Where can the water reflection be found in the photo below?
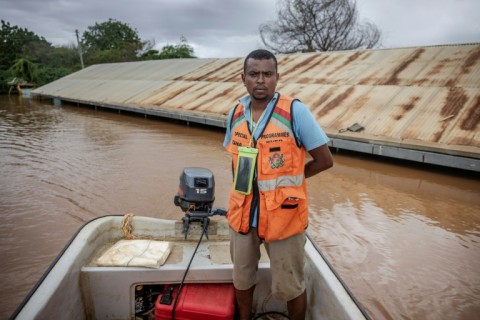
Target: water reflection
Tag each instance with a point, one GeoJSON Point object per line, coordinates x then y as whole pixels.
{"type": "Point", "coordinates": [405, 239]}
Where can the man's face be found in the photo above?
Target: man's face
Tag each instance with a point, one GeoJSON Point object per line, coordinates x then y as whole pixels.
{"type": "Point", "coordinates": [260, 79]}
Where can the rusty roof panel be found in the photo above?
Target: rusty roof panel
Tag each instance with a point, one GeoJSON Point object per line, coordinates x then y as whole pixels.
{"type": "Point", "coordinates": [220, 70]}
{"type": "Point", "coordinates": [424, 96]}
{"type": "Point", "coordinates": [151, 70]}
{"type": "Point", "coordinates": [323, 68]}
{"type": "Point", "coordinates": [453, 66]}
{"type": "Point", "coordinates": [393, 67]}
{"type": "Point", "coordinates": [364, 107]}
{"type": "Point", "coordinates": [416, 113]}
{"type": "Point", "coordinates": [462, 119]}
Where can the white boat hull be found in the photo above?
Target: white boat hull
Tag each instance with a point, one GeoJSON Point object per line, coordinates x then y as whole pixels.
{"type": "Point", "coordinates": [76, 287]}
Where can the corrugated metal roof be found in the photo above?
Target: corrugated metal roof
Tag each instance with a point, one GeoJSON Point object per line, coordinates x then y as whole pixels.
{"type": "Point", "coordinates": [423, 97]}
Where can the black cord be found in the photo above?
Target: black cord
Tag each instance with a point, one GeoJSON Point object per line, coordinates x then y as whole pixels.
{"type": "Point", "coordinates": [205, 226]}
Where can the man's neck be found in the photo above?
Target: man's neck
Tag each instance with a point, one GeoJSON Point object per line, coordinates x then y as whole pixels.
{"type": "Point", "coordinates": [260, 104]}
{"type": "Point", "coordinates": [257, 108]}
{"type": "Point", "coordinates": [256, 105]}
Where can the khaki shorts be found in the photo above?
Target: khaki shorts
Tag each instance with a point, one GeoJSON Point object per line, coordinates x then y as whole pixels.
{"type": "Point", "coordinates": [287, 263]}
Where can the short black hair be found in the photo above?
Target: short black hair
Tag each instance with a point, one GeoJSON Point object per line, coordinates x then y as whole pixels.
{"type": "Point", "coordinates": [260, 54]}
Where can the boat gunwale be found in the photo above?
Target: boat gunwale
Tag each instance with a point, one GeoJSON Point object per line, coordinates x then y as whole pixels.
{"type": "Point", "coordinates": [54, 263]}
{"type": "Point", "coordinates": [337, 275]}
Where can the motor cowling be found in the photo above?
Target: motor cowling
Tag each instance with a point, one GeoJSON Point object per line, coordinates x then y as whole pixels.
{"type": "Point", "coordinates": [196, 190]}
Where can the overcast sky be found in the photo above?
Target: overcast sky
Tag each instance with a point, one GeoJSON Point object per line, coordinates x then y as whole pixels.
{"type": "Point", "coordinates": [229, 28]}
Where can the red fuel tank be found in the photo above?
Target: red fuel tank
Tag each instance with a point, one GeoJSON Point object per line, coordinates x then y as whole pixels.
{"type": "Point", "coordinates": [197, 302]}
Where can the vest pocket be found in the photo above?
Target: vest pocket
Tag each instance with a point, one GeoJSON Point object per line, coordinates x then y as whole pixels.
{"type": "Point", "coordinates": [287, 213]}
{"type": "Point", "coordinates": [236, 199]}
{"type": "Point", "coordinates": [289, 197]}
{"type": "Point", "coordinates": [236, 210]}
{"type": "Point", "coordinates": [276, 157]}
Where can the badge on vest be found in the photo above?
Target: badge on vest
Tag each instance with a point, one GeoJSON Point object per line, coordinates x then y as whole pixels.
{"type": "Point", "coordinates": [246, 161]}
{"type": "Point", "coordinates": [276, 160]}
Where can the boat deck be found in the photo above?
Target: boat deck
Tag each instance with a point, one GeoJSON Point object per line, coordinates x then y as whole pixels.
{"type": "Point", "coordinates": [115, 286]}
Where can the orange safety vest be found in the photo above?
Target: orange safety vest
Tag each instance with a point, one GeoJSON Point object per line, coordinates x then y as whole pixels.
{"type": "Point", "coordinates": [279, 191]}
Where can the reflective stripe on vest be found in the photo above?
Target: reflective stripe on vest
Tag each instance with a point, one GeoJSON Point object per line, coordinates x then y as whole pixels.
{"type": "Point", "coordinates": [282, 181]}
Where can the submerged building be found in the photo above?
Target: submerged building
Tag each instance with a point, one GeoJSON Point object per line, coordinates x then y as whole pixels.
{"type": "Point", "coordinates": [420, 104]}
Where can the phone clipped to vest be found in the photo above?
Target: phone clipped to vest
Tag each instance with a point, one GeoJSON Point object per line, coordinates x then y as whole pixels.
{"type": "Point", "coordinates": [246, 161]}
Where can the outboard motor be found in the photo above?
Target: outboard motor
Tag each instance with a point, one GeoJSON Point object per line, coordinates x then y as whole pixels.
{"type": "Point", "coordinates": [195, 196]}
{"type": "Point", "coordinates": [196, 190]}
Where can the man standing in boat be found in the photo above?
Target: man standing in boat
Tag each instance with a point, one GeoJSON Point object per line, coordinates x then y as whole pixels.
{"type": "Point", "coordinates": [268, 135]}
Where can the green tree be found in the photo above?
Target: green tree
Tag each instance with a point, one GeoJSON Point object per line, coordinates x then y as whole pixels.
{"type": "Point", "coordinates": [24, 70]}
{"type": "Point", "coordinates": [318, 25]}
{"type": "Point", "coordinates": [181, 50]}
{"type": "Point", "coordinates": [57, 63]}
{"type": "Point", "coordinates": [20, 54]}
{"type": "Point", "coordinates": [16, 43]}
{"type": "Point", "coordinates": [63, 57]}
{"type": "Point", "coordinates": [27, 57]}
{"type": "Point", "coordinates": [111, 41]}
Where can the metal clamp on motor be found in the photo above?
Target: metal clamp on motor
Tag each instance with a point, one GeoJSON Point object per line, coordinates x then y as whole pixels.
{"type": "Point", "coordinates": [195, 197]}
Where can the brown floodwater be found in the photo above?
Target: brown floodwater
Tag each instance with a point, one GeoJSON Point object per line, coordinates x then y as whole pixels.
{"type": "Point", "coordinates": [404, 237]}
